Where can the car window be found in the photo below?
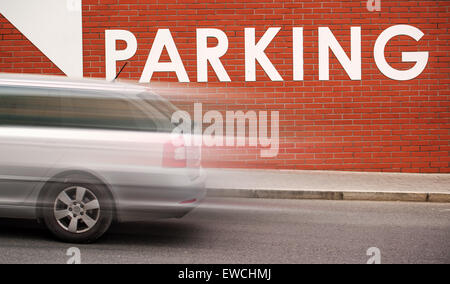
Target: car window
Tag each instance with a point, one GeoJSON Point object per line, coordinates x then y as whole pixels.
{"type": "Point", "coordinates": [52, 108]}
{"type": "Point", "coordinates": [104, 113]}
{"type": "Point", "coordinates": [28, 107]}
{"type": "Point", "coordinates": [162, 105]}
{"type": "Point", "coordinates": [161, 110]}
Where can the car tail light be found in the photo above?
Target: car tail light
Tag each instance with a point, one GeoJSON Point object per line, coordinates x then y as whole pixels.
{"type": "Point", "coordinates": [174, 155]}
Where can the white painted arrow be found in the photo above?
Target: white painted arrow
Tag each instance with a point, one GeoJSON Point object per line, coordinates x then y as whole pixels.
{"type": "Point", "coordinates": [53, 26]}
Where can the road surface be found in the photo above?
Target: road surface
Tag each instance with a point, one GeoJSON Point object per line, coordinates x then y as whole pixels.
{"type": "Point", "coordinates": [231, 230]}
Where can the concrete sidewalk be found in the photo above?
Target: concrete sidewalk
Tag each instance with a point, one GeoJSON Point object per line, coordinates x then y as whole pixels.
{"type": "Point", "coordinates": [331, 185]}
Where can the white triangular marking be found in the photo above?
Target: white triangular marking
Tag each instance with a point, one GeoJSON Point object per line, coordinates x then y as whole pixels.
{"type": "Point", "coordinates": [53, 26]}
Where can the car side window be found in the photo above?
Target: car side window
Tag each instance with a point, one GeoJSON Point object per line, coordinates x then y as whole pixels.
{"type": "Point", "coordinates": [29, 108]}
{"type": "Point", "coordinates": [143, 121]}
{"type": "Point", "coordinates": [103, 113]}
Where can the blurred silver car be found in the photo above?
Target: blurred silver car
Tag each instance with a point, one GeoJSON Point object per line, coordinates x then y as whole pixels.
{"type": "Point", "coordinates": [78, 155]}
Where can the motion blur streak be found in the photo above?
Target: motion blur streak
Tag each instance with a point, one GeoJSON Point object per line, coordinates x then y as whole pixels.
{"type": "Point", "coordinates": [80, 154]}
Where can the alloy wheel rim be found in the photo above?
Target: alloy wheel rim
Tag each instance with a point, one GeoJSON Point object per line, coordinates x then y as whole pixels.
{"type": "Point", "coordinates": [76, 209]}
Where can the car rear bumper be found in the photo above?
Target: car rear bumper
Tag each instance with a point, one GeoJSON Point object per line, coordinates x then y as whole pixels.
{"type": "Point", "coordinates": [145, 204]}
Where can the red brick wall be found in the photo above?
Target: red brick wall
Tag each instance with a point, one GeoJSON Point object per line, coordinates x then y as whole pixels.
{"type": "Point", "coordinates": [375, 124]}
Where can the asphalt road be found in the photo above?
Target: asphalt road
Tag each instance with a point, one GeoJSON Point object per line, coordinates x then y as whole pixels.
{"type": "Point", "coordinates": [256, 231]}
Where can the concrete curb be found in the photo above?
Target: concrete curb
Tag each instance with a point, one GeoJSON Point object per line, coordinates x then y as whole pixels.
{"type": "Point", "coordinates": [331, 195]}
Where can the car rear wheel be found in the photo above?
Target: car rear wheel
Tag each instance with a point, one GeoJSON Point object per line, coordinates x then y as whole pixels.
{"type": "Point", "coordinates": [78, 212]}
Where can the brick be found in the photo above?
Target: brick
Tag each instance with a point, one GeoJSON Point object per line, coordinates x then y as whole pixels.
{"type": "Point", "coordinates": [375, 124]}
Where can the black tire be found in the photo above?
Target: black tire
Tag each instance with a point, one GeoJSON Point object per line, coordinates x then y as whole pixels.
{"type": "Point", "coordinates": [104, 215]}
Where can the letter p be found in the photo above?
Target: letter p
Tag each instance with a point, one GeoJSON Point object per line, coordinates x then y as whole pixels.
{"type": "Point", "coordinates": [112, 55]}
